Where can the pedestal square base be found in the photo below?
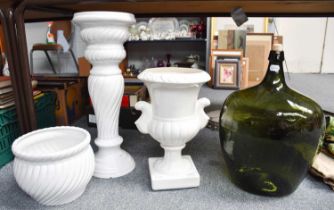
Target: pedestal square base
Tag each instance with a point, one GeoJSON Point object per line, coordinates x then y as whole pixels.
{"type": "Point", "coordinates": [161, 181]}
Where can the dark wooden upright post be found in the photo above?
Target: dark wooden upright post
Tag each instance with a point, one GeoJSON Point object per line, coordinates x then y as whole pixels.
{"type": "Point", "coordinates": [24, 71]}
{"type": "Point", "coordinates": [16, 51]}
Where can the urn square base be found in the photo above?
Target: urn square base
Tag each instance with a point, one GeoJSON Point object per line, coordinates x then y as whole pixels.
{"type": "Point", "coordinates": [161, 181]}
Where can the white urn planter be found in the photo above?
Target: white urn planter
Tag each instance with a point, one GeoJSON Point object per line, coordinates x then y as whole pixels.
{"type": "Point", "coordinates": [104, 33]}
{"type": "Point", "coordinates": [173, 118]}
{"type": "Point", "coordinates": [54, 165]}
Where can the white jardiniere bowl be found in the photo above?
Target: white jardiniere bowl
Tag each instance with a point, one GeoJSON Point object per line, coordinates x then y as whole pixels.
{"type": "Point", "coordinates": [54, 165]}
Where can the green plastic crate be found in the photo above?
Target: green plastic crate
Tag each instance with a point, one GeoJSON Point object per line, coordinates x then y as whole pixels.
{"type": "Point", "coordinates": [6, 141]}
{"type": "Point", "coordinates": [9, 128]}
{"type": "Point", "coordinates": [7, 116]}
{"type": "Point", "coordinates": [45, 108]}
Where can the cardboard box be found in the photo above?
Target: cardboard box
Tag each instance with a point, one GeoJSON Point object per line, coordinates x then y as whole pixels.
{"type": "Point", "coordinates": [128, 114]}
{"type": "Point", "coordinates": [278, 39]}
{"type": "Point", "coordinates": [70, 101]}
{"type": "Point", "coordinates": [84, 67]}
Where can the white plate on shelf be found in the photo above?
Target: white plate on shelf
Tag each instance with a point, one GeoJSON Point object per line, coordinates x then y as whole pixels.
{"type": "Point", "coordinates": [184, 25]}
{"type": "Point", "coordinates": [163, 25]}
{"type": "Point", "coordinates": [142, 26]}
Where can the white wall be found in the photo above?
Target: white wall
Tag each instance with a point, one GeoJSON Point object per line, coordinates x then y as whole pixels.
{"type": "Point", "coordinates": [36, 33]}
{"type": "Point", "coordinates": [303, 40]}
{"type": "Point", "coordinates": [228, 23]}
{"type": "Point", "coordinates": [328, 61]}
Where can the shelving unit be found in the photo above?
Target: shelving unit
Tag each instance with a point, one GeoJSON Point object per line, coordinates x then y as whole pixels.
{"type": "Point", "coordinates": [132, 81]}
{"type": "Point", "coordinates": [182, 40]}
{"type": "Point", "coordinates": [179, 48]}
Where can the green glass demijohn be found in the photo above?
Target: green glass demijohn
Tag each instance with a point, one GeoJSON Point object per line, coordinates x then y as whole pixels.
{"type": "Point", "coordinates": [270, 134]}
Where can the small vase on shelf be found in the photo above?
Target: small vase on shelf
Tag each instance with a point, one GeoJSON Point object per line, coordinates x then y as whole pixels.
{"type": "Point", "coordinates": [270, 133]}
{"type": "Point", "coordinates": [168, 64]}
{"type": "Point", "coordinates": [62, 40]}
{"type": "Point", "coordinates": [160, 63]}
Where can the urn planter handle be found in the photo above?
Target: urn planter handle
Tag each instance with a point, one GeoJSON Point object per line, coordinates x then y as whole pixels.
{"type": "Point", "coordinates": [144, 120]}
{"type": "Point", "coordinates": [202, 116]}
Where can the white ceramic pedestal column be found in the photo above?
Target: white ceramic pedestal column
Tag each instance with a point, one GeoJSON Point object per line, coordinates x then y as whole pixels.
{"type": "Point", "coordinates": [104, 33]}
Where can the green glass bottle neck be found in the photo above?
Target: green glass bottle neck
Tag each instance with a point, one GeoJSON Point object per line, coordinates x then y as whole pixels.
{"type": "Point", "coordinates": [275, 73]}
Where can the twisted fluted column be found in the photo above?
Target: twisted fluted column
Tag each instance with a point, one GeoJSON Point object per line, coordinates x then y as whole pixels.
{"type": "Point", "coordinates": [104, 33]}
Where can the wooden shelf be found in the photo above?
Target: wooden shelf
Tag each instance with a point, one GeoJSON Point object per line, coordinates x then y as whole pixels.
{"type": "Point", "coordinates": [42, 10]}
{"type": "Point", "coordinates": [180, 7]}
{"type": "Point", "coordinates": [166, 41]}
{"type": "Point", "coordinates": [132, 81]}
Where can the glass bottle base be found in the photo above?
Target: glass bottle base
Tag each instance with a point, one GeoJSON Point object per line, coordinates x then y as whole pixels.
{"type": "Point", "coordinates": [256, 181]}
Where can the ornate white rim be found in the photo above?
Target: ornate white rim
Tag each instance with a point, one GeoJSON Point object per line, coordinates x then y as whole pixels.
{"type": "Point", "coordinates": [94, 16]}
{"type": "Point", "coordinates": [174, 75]}
{"type": "Point", "coordinates": [20, 144]}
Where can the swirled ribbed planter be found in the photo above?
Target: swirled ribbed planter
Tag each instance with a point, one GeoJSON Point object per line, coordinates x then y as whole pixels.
{"type": "Point", "coordinates": [54, 165]}
{"type": "Point", "coordinates": [104, 34]}
{"type": "Point", "coordinates": [173, 118]}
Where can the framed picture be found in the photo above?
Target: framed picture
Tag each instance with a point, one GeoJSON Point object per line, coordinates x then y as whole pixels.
{"type": "Point", "coordinates": [232, 39]}
{"type": "Point", "coordinates": [227, 74]}
{"type": "Point", "coordinates": [221, 54]}
{"type": "Point", "coordinates": [258, 46]}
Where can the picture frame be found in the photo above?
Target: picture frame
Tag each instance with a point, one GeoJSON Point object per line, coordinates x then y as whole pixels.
{"type": "Point", "coordinates": [227, 74]}
{"type": "Point", "coordinates": [258, 46]}
{"type": "Point", "coordinates": [232, 39]}
{"type": "Point", "coordinates": [221, 54]}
